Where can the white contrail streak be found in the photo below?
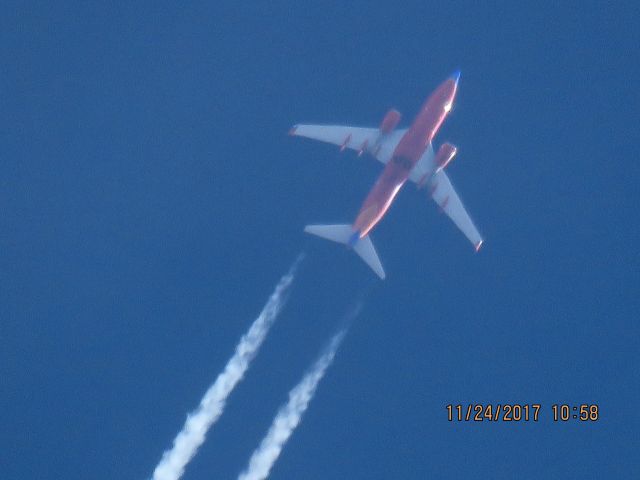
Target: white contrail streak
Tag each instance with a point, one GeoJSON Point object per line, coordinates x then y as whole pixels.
{"type": "Point", "coordinates": [290, 414]}
{"type": "Point", "coordinates": [192, 435]}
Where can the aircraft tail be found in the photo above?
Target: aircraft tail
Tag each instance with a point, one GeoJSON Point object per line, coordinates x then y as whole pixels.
{"type": "Point", "coordinates": [345, 235]}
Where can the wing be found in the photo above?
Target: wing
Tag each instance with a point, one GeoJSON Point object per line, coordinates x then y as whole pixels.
{"type": "Point", "coordinates": [424, 168]}
{"type": "Point", "coordinates": [445, 195]}
{"type": "Point", "coordinates": [356, 138]}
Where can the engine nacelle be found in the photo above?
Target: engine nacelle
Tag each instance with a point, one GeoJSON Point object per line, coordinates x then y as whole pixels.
{"type": "Point", "coordinates": [390, 121]}
{"type": "Point", "coordinates": [445, 154]}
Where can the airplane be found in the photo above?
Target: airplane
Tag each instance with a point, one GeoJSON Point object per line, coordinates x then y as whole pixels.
{"type": "Point", "coordinates": [408, 155]}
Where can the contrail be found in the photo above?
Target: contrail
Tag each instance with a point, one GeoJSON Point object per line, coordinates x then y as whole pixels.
{"type": "Point", "coordinates": [290, 414]}
{"type": "Point", "coordinates": [192, 435]}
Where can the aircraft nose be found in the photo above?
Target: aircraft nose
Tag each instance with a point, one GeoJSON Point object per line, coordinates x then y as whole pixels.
{"type": "Point", "coordinates": [455, 76]}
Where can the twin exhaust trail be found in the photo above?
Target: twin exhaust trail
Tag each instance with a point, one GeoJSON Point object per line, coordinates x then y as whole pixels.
{"type": "Point", "coordinates": [198, 423]}
{"type": "Point", "coordinates": [290, 414]}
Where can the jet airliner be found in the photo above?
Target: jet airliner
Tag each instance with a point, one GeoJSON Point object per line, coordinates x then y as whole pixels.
{"type": "Point", "coordinates": [408, 155]}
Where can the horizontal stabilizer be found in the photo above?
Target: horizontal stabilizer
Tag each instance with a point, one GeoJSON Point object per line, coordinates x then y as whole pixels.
{"type": "Point", "coordinates": [344, 234]}
{"type": "Point", "coordinates": [367, 252]}
{"type": "Point", "coordinates": [335, 233]}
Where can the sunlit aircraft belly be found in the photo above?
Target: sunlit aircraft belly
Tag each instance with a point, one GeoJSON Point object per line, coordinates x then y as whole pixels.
{"type": "Point", "coordinates": [405, 157]}
{"type": "Point", "coordinates": [381, 196]}
{"type": "Point", "coordinates": [407, 154]}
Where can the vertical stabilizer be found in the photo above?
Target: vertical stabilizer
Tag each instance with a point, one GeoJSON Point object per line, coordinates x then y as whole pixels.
{"type": "Point", "coordinates": [344, 234]}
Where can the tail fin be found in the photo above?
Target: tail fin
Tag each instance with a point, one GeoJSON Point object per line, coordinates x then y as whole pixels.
{"type": "Point", "coordinates": [345, 235]}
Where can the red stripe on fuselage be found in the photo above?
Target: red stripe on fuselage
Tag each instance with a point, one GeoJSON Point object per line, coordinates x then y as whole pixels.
{"type": "Point", "coordinates": [428, 121]}
{"type": "Point", "coordinates": [380, 197]}
{"type": "Point", "coordinates": [410, 149]}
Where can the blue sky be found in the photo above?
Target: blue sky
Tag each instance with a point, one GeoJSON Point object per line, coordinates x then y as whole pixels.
{"type": "Point", "coordinates": [151, 199]}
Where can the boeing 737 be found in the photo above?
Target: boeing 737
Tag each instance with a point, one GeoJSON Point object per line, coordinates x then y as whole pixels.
{"type": "Point", "coordinates": [408, 155]}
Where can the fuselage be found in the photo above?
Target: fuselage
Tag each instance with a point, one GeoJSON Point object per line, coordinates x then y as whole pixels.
{"type": "Point", "coordinates": [405, 156]}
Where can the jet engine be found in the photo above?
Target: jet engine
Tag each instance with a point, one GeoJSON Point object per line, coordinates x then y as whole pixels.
{"type": "Point", "coordinates": [390, 121]}
{"type": "Point", "coordinates": [445, 154]}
